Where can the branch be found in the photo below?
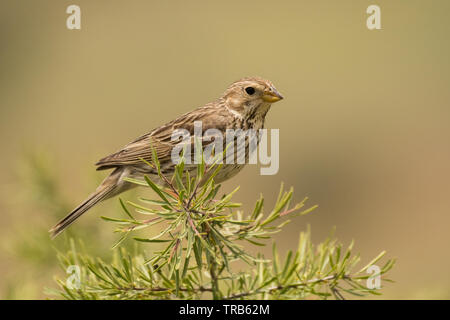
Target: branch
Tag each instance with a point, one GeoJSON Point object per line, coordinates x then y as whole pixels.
{"type": "Point", "coordinates": [281, 287]}
{"type": "Point", "coordinates": [161, 289]}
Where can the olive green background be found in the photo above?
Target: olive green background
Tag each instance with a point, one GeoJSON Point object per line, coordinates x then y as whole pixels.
{"type": "Point", "coordinates": [364, 128]}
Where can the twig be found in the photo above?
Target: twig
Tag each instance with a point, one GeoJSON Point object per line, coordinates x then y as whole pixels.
{"type": "Point", "coordinates": [281, 287]}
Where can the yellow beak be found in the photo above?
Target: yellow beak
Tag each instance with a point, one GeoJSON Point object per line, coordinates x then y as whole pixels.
{"type": "Point", "coordinates": [272, 95]}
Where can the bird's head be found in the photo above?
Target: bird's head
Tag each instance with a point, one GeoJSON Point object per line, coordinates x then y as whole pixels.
{"type": "Point", "coordinates": [251, 96]}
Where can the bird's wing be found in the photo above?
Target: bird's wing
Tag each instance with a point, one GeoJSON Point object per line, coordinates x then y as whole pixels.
{"type": "Point", "coordinates": [133, 152]}
{"type": "Point", "coordinates": [160, 139]}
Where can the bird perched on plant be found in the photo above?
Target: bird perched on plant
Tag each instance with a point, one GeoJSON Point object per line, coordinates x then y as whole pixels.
{"type": "Point", "coordinates": [243, 105]}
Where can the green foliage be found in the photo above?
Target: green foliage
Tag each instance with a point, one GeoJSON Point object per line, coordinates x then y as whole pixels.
{"type": "Point", "coordinates": [202, 239]}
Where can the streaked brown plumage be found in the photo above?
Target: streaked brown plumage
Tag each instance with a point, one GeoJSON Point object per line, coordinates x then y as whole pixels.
{"type": "Point", "coordinates": [243, 105]}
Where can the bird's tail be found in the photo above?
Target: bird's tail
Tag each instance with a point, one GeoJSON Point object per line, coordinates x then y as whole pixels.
{"type": "Point", "coordinates": [107, 189]}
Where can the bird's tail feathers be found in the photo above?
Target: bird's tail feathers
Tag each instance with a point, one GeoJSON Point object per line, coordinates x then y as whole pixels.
{"type": "Point", "coordinates": [100, 194]}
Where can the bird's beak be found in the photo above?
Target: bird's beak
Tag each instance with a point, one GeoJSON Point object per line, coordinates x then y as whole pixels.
{"type": "Point", "coordinates": [272, 95]}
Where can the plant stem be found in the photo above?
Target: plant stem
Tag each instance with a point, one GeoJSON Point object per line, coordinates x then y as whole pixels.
{"type": "Point", "coordinates": [213, 267]}
{"type": "Point", "coordinates": [214, 279]}
{"type": "Point", "coordinates": [282, 287]}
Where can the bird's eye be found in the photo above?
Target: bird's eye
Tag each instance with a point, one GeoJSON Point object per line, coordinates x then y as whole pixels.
{"type": "Point", "coordinates": [250, 90]}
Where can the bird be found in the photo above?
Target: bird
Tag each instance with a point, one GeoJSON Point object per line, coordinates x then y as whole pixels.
{"type": "Point", "coordinates": [243, 105]}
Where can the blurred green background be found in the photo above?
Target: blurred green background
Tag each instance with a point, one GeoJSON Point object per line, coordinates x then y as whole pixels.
{"type": "Point", "coordinates": [364, 127]}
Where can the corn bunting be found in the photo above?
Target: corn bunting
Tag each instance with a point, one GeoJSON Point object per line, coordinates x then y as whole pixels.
{"type": "Point", "coordinates": [243, 105]}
